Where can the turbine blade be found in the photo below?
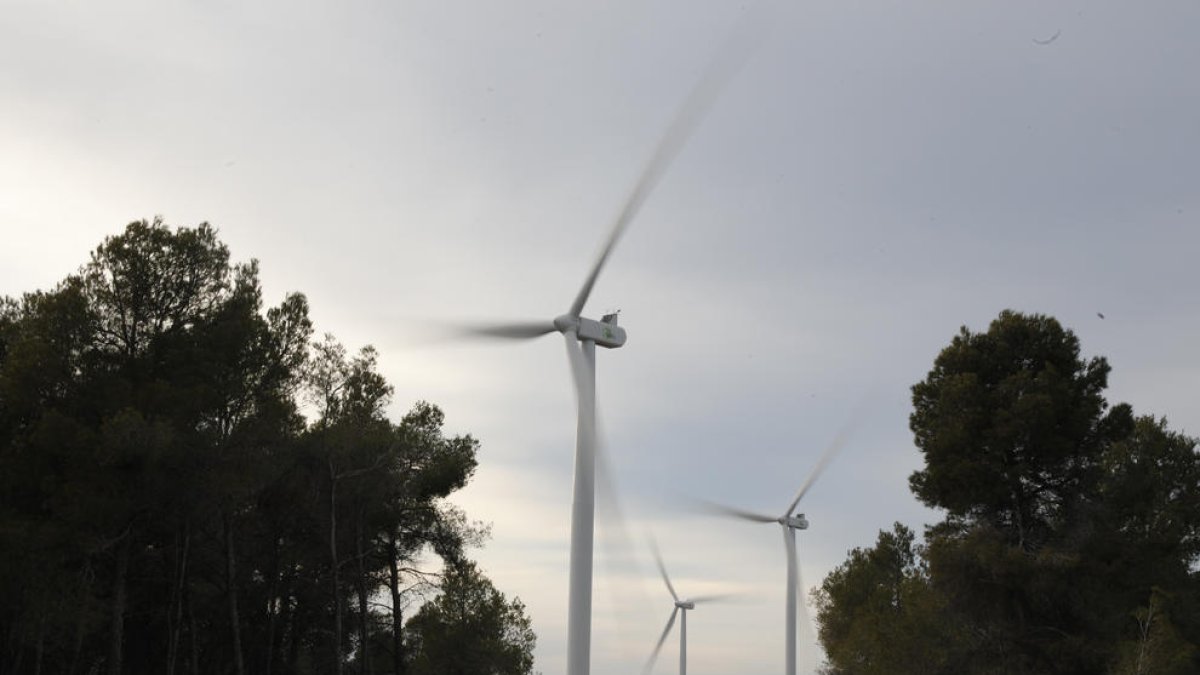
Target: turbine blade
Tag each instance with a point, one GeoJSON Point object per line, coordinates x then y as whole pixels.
{"type": "Point", "coordinates": [789, 544]}
{"type": "Point", "coordinates": [662, 569]}
{"type": "Point", "coordinates": [802, 599]}
{"type": "Point", "coordinates": [661, 640]}
{"type": "Point", "coordinates": [714, 597]}
{"type": "Point", "coordinates": [699, 101]}
{"type": "Point", "coordinates": [736, 513]}
{"type": "Point", "coordinates": [832, 451]}
{"type": "Point", "coordinates": [579, 369]}
{"type": "Point", "coordinates": [619, 553]}
{"type": "Point", "coordinates": [523, 330]}
{"type": "Point", "coordinates": [801, 596]}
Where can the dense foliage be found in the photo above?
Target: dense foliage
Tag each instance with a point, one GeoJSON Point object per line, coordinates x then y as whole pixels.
{"type": "Point", "coordinates": [165, 506]}
{"type": "Point", "coordinates": [1072, 530]}
{"type": "Point", "coordinates": [471, 629]}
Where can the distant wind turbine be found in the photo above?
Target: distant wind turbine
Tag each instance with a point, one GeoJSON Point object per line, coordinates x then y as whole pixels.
{"type": "Point", "coordinates": [681, 609]}
{"type": "Point", "coordinates": [789, 522]}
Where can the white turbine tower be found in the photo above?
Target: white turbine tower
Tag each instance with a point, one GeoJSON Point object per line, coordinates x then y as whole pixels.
{"type": "Point", "coordinates": [582, 335]}
{"type": "Point", "coordinates": [680, 610]}
{"type": "Point", "coordinates": [789, 522]}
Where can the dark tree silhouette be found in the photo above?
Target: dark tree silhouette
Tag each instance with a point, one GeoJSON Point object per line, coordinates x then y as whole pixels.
{"type": "Point", "coordinates": [1072, 529]}
{"type": "Point", "coordinates": [164, 504]}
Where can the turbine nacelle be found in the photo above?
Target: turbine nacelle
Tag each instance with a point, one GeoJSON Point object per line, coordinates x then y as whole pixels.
{"type": "Point", "coordinates": [685, 604]}
{"type": "Point", "coordinates": [605, 333]}
{"type": "Point", "coordinates": [796, 522]}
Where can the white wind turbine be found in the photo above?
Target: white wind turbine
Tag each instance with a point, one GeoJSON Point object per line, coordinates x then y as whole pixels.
{"type": "Point", "coordinates": [582, 335]}
{"type": "Point", "coordinates": [789, 522]}
{"type": "Point", "coordinates": [681, 609]}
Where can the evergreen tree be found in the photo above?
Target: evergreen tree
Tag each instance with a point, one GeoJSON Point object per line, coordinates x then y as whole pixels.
{"type": "Point", "coordinates": [471, 629]}
{"type": "Point", "coordinates": [1070, 541]}
{"type": "Point", "coordinates": [165, 507]}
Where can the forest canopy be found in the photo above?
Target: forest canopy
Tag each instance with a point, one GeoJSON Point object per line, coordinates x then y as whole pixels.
{"type": "Point", "coordinates": [1071, 534]}
{"type": "Point", "coordinates": [166, 506]}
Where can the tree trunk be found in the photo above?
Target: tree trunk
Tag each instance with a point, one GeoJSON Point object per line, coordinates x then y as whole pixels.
{"type": "Point", "coordinates": [274, 604]}
{"type": "Point", "coordinates": [117, 632]}
{"type": "Point", "coordinates": [364, 632]}
{"type": "Point", "coordinates": [193, 641]}
{"type": "Point", "coordinates": [333, 574]}
{"type": "Point", "coordinates": [175, 609]}
{"type": "Point", "coordinates": [1146, 626]}
{"type": "Point", "coordinates": [81, 602]}
{"type": "Point", "coordinates": [77, 649]}
{"type": "Point", "coordinates": [296, 631]}
{"type": "Point", "coordinates": [17, 649]}
{"type": "Point", "coordinates": [288, 618]}
{"type": "Point", "coordinates": [231, 593]}
{"type": "Point", "coordinates": [398, 658]}
{"type": "Point", "coordinates": [40, 648]}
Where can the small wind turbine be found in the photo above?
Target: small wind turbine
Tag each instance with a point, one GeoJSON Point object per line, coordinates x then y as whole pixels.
{"type": "Point", "coordinates": [789, 522]}
{"type": "Point", "coordinates": [582, 335]}
{"type": "Point", "coordinates": [681, 609]}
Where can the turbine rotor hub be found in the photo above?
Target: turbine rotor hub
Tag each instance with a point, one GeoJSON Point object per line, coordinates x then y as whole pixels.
{"type": "Point", "coordinates": [796, 522]}
{"type": "Point", "coordinates": [566, 323]}
{"type": "Point", "coordinates": [685, 604]}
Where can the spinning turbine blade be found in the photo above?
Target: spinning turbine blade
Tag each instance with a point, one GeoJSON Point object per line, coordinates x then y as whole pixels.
{"type": "Point", "coordinates": [795, 598]}
{"type": "Point", "coordinates": [508, 331]}
{"type": "Point", "coordinates": [738, 513]}
{"type": "Point", "coordinates": [616, 545]}
{"type": "Point", "coordinates": [697, 104]}
{"type": "Point", "coordinates": [834, 448]}
{"type": "Point", "coordinates": [717, 597]}
{"type": "Point", "coordinates": [662, 569]}
{"type": "Point", "coordinates": [661, 640]}
{"type": "Point", "coordinates": [579, 369]}
{"type": "Point", "coordinates": [802, 596]}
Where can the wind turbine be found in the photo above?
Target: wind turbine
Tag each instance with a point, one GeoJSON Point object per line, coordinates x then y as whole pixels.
{"type": "Point", "coordinates": [681, 609]}
{"type": "Point", "coordinates": [789, 522]}
{"type": "Point", "coordinates": [582, 335]}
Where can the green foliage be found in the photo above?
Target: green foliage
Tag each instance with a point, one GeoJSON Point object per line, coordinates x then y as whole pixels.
{"type": "Point", "coordinates": [1011, 425]}
{"type": "Point", "coordinates": [1157, 647]}
{"type": "Point", "coordinates": [1070, 541]}
{"type": "Point", "coordinates": [151, 281]}
{"type": "Point", "coordinates": [165, 506]}
{"type": "Point", "coordinates": [878, 613]}
{"type": "Point", "coordinates": [471, 629]}
{"type": "Point", "coordinates": [1152, 486]}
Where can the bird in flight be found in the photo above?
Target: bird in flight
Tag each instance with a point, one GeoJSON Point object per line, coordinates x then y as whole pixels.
{"type": "Point", "coordinates": [1050, 39]}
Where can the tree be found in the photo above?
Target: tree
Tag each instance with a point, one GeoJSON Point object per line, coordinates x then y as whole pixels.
{"type": "Point", "coordinates": [471, 629]}
{"type": "Point", "coordinates": [1011, 423]}
{"type": "Point", "coordinates": [878, 614]}
{"type": "Point", "coordinates": [1150, 493]}
{"type": "Point", "coordinates": [1156, 647]}
{"type": "Point", "coordinates": [164, 506]}
{"type": "Point", "coordinates": [1071, 535]}
{"type": "Point", "coordinates": [429, 467]}
{"type": "Point", "coordinates": [352, 439]}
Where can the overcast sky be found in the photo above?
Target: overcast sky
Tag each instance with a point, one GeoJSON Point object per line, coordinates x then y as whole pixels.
{"type": "Point", "coordinates": [878, 175]}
